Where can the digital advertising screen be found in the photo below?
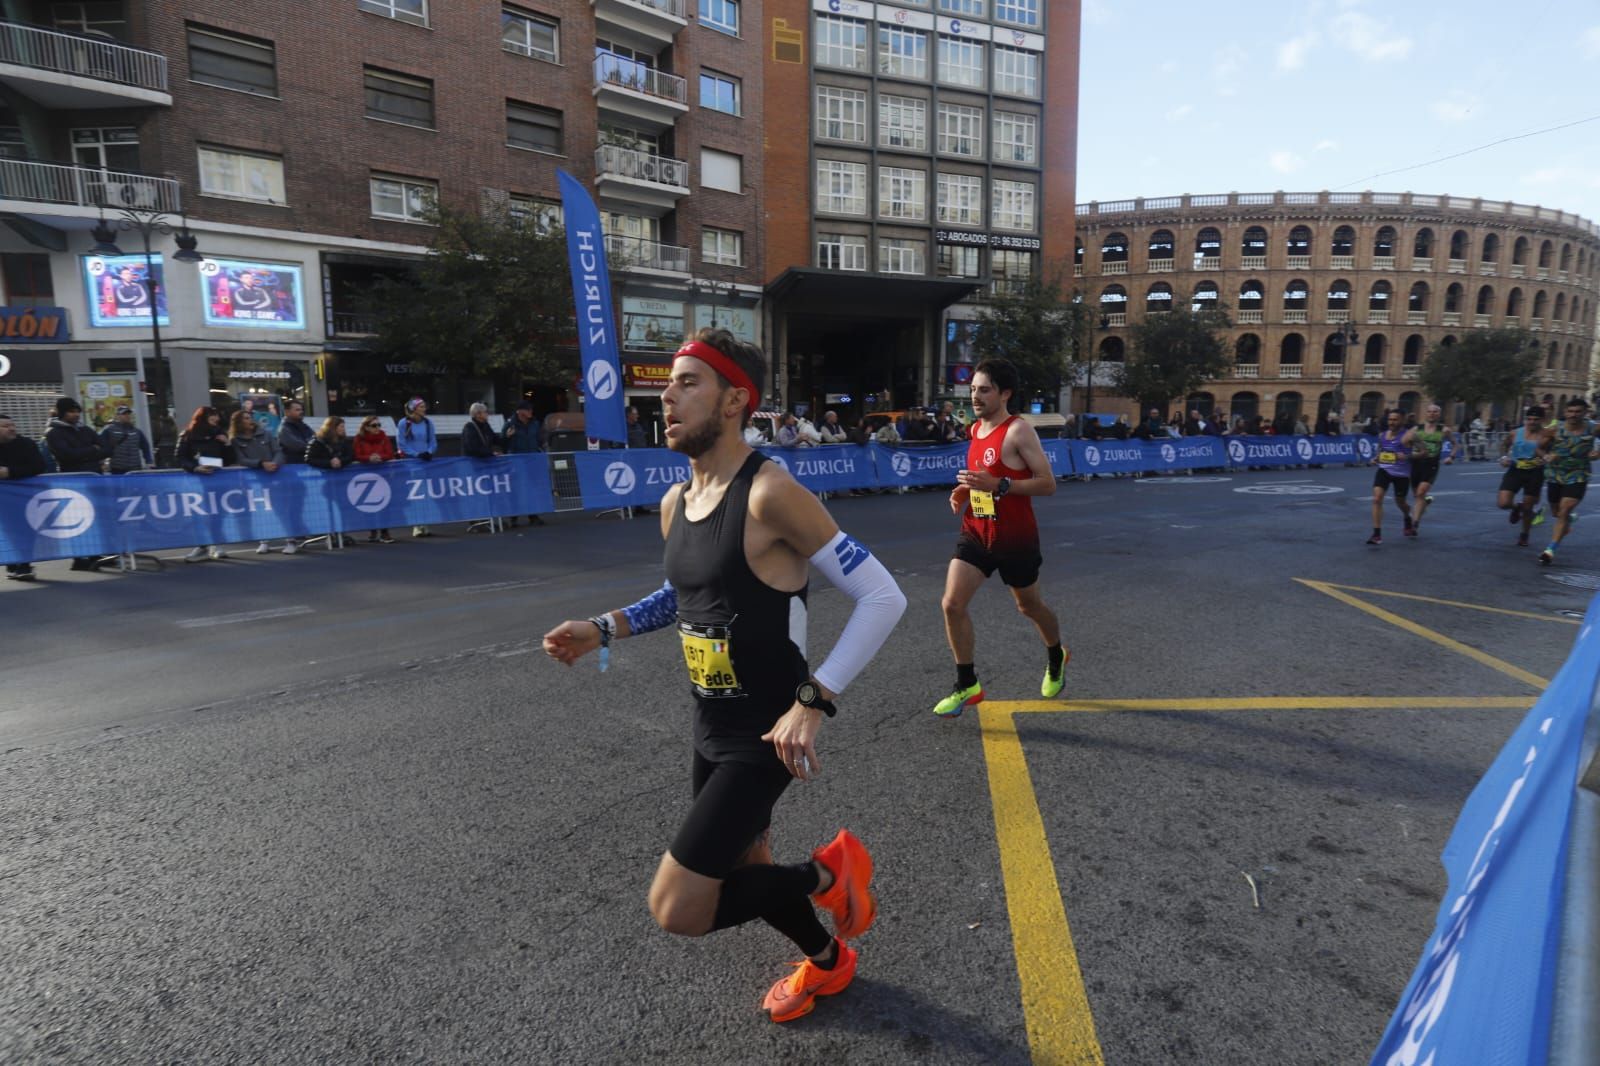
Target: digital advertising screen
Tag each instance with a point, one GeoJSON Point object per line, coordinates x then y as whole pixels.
{"type": "Point", "coordinates": [119, 292]}
{"type": "Point", "coordinates": [237, 292]}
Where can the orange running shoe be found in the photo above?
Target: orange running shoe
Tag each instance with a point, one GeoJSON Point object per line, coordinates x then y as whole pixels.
{"type": "Point", "coordinates": [850, 897]}
{"type": "Point", "coordinates": [794, 996]}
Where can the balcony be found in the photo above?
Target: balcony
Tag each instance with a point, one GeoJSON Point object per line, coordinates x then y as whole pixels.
{"type": "Point", "coordinates": [1248, 318]}
{"type": "Point", "coordinates": [1383, 262]}
{"type": "Point", "coordinates": [1377, 318]}
{"type": "Point", "coordinates": [1416, 318]}
{"type": "Point", "coordinates": [1372, 372]}
{"type": "Point", "coordinates": [1208, 262]}
{"type": "Point", "coordinates": [1294, 318]}
{"type": "Point", "coordinates": [1422, 263]}
{"type": "Point", "coordinates": [1159, 266]}
{"type": "Point", "coordinates": [1537, 325]}
{"type": "Point", "coordinates": [657, 20]}
{"type": "Point", "coordinates": [1247, 370]}
{"type": "Point", "coordinates": [636, 253]}
{"type": "Point", "coordinates": [59, 190]}
{"type": "Point", "coordinates": [1455, 266]}
{"type": "Point", "coordinates": [1119, 266]}
{"type": "Point", "coordinates": [1488, 270]}
{"type": "Point", "coordinates": [1253, 262]}
{"type": "Point", "coordinates": [639, 178]}
{"type": "Point", "coordinates": [1298, 262]}
{"type": "Point", "coordinates": [1452, 318]}
{"type": "Point", "coordinates": [1517, 270]}
{"type": "Point", "coordinates": [1342, 262]}
{"type": "Point", "coordinates": [1117, 318]}
{"type": "Point", "coordinates": [1332, 371]}
{"type": "Point", "coordinates": [1411, 372]}
{"type": "Point", "coordinates": [68, 71]}
{"type": "Point", "coordinates": [1561, 275]}
{"type": "Point", "coordinates": [1289, 370]}
{"type": "Point", "coordinates": [1542, 273]}
{"type": "Point", "coordinates": [1480, 321]}
{"type": "Point", "coordinates": [1337, 317]}
{"type": "Point", "coordinates": [354, 324]}
{"type": "Point", "coordinates": [635, 93]}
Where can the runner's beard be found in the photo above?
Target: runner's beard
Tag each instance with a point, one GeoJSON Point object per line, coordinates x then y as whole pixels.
{"type": "Point", "coordinates": [699, 440]}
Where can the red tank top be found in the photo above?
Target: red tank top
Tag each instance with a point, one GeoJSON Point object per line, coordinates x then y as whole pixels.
{"type": "Point", "coordinates": [1013, 526]}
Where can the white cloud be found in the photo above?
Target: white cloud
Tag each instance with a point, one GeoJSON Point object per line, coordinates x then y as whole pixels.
{"type": "Point", "coordinates": [1285, 161]}
{"type": "Point", "coordinates": [1457, 107]}
{"type": "Point", "coordinates": [1369, 38]}
{"type": "Point", "coordinates": [1180, 112]}
{"type": "Point", "coordinates": [1325, 146]}
{"type": "Point", "coordinates": [1589, 42]}
{"type": "Point", "coordinates": [1292, 53]}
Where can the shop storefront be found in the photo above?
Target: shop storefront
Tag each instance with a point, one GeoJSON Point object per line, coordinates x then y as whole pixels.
{"type": "Point", "coordinates": [263, 385]}
{"type": "Point", "coordinates": [367, 383]}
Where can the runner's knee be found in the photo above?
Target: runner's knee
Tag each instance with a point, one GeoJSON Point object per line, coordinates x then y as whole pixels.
{"type": "Point", "coordinates": [680, 913]}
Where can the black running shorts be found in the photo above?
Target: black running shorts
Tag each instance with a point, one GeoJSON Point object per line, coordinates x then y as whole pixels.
{"type": "Point", "coordinates": [1528, 481]}
{"type": "Point", "coordinates": [1424, 471]}
{"type": "Point", "coordinates": [1573, 490]}
{"type": "Point", "coordinates": [1018, 569]}
{"type": "Point", "coordinates": [1383, 479]}
{"type": "Point", "coordinates": [732, 807]}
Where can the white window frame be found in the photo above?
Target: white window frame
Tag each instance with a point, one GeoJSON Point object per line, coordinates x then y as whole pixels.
{"type": "Point", "coordinates": [713, 160]}
{"type": "Point", "coordinates": [425, 190]}
{"type": "Point", "coordinates": [897, 63]}
{"type": "Point", "coordinates": [705, 20]}
{"type": "Point", "coordinates": [841, 187]}
{"type": "Point", "coordinates": [957, 252]}
{"type": "Point", "coordinates": [1017, 12]}
{"type": "Point", "coordinates": [834, 46]}
{"type": "Point", "coordinates": [727, 80]}
{"type": "Point", "coordinates": [960, 127]}
{"type": "Point", "coordinates": [903, 194]}
{"type": "Point", "coordinates": [527, 47]}
{"type": "Point", "coordinates": [1017, 71]}
{"type": "Point", "coordinates": [391, 9]}
{"type": "Point", "coordinates": [1012, 205]}
{"type": "Point", "coordinates": [1001, 261]}
{"type": "Point", "coordinates": [1013, 129]}
{"type": "Point", "coordinates": [841, 251]}
{"type": "Point", "coordinates": [226, 160]}
{"type": "Point", "coordinates": [964, 74]}
{"type": "Point", "coordinates": [727, 247]}
{"type": "Point", "coordinates": [543, 216]}
{"type": "Point", "coordinates": [902, 122]}
{"type": "Point", "coordinates": [844, 110]}
{"type": "Point", "coordinates": [529, 114]}
{"type": "Point", "coordinates": [960, 199]}
{"type": "Point", "coordinates": [896, 254]}
{"type": "Point", "coordinates": [973, 9]}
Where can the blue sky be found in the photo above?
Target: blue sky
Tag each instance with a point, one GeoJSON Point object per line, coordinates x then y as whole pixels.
{"type": "Point", "coordinates": [1184, 97]}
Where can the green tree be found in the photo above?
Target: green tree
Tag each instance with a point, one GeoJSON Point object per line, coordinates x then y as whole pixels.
{"type": "Point", "coordinates": [1173, 354]}
{"type": "Point", "coordinates": [493, 293]}
{"type": "Point", "coordinates": [1484, 366]}
{"type": "Point", "coordinates": [1034, 327]}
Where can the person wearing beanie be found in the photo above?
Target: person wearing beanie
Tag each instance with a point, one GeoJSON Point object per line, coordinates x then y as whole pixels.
{"type": "Point", "coordinates": [75, 449]}
{"type": "Point", "coordinates": [415, 439]}
{"type": "Point", "coordinates": [19, 458]}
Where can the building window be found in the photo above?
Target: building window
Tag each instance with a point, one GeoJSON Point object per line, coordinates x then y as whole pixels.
{"type": "Point", "coordinates": [403, 199]}
{"type": "Point", "coordinates": [722, 246]}
{"type": "Point", "coordinates": [13, 145]}
{"type": "Point", "coordinates": [902, 194]}
{"type": "Point", "coordinates": [960, 62]}
{"type": "Point", "coordinates": [241, 175]}
{"type": "Point", "coordinates": [969, 8]}
{"type": "Point", "coordinates": [841, 251]}
{"type": "Point", "coordinates": [720, 15]}
{"type": "Point", "coordinates": [902, 123]}
{"type": "Point", "coordinates": [960, 199]}
{"type": "Point", "coordinates": [902, 53]}
{"type": "Point", "coordinates": [106, 148]}
{"type": "Point", "coordinates": [232, 62]}
{"type": "Point", "coordinates": [1016, 138]}
{"type": "Point", "coordinates": [101, 19]}
{"type": "Point", "coordinates": [405, 10]}
{"type": "Point", "coordinates": [719, 92]}
{"type": "Point", "coordinates": [634, 227]}
{"type": "Point", "coordinates": [1016, 71]}
{"type": "Point", "coordinates": [841, 114]}
{"type": "Point", "coordinates": [1011, 206]}
{"type": "Point", "coordinates": [27, 279]}
{"type": "Point", "coordinates": [841, 42]}
{"type": "Point", "coordinates": [721, 170]}
{"type": "Point", "coordinates": [901, 256]}
{"type": "Point", "coordinates": [528, 35]}
{"type": "Point", "coordinates": [541, 216]}
{"type": "Point", "coordinates": [537, 129]}
{"type": "Point", "coordinates": [1014, 268]}
{"type": "Point", "coordinates": [399, 98]}
{"type": "Point", "coordinates": [1021, 12]}
{"type": "Point", "coordinates": [961, 130]}
{"type": "Point", "coordinates": [957, 261]}
{"type": "Point", "coordinates": [841, 187]}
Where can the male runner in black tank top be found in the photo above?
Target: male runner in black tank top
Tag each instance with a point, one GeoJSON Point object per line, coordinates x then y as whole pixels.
{"type": "Point", "coordinates": [739, 536]}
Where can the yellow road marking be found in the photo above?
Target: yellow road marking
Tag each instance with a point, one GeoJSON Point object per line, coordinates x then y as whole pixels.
{"type": "Point", "coordinates": [1428, 634]}
{"type": "Point", "coordinates": [1265, 703]}
{"type": "Point", "coordinates": [1055, 1004]}
{"type": "Point", "coordinates": [1458, 603]}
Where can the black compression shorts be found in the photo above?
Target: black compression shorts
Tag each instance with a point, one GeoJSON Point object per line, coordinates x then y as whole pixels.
{"type": "Point", "coordinates": [1527, 481]}
{"type": "Point", "coordinates": [1424, 471]}
{"type": "Point", "coordinates": [1383, 479]}
{"type": "Point", "coordinates": [1018, 569]}
{"type": "Point", "coordinates": [1572, 490]}
{"type": "Point", "coordinates": [732, 807]}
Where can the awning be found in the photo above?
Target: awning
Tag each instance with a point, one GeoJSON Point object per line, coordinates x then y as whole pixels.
{"type": "Point", "coordinates": [811, 288]}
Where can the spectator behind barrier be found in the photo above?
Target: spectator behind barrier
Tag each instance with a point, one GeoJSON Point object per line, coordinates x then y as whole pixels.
{"type": "Point", "coordinates": [125, 444]}
{"type": "Point", "coordinates": [294, 434]}
{"type": "Point", "coordinates": [788, 435]}
{"type": "Point", "coordinates": [330, 449]}
{"type": "Point", "coordinates": [75, 449]}
{"type": "Point", "coordinates": [831, 432]}
{"type": "Point", "coordinates": [255, 448]}
{"type": "Point", "coordinates": [414, 438]}
{"type": "Point", "coordinates": [522, 431]}
{"type": "Point", "coordinates": [636, 434]}
{"type": "Point", "coordinates": [203, 449]}
{"type": "Point", "coordinates": [478, 440]}
{"type": "Point", "coordinates": [19, 458]}
{"type": "Point", "coordinates": [373, 446]}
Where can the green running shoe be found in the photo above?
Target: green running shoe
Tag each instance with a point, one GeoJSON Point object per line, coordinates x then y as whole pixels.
{"type": "Point", "coordinates": [959, 700]}
{"type": "Point", "coordinates": [1538, 517]}
{"type": "Point", "coordinates": [1052, 684]}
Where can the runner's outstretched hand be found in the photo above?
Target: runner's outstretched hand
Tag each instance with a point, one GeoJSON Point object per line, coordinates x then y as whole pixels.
{"type": "Point", "coordinates": [794, 739]}
{"type": "Point", "coordinates": [571, 641]}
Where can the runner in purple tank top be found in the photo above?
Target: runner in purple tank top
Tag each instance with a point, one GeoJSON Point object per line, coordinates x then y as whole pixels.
{"type": "Point", "coordinates": [1394, 470]}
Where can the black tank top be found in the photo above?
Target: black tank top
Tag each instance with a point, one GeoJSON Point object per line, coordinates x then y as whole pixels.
{"type": "Point", "coordinates": [743, 640]}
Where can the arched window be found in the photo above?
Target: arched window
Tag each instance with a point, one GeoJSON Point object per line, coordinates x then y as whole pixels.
{"type": "Point", "coordinates": [1413, 350]}
{"type": "Point", "coordinates": [1077, 251]}
{"type": "Point", "coordinates": [1252, 295]}
{"type": "Point", "coordinates": [1114, 249]}
{"type": "Point", "coordinates": [1422, 247]}
{"type": "Point", "coordinates": [1205, 298]}
{"type": "Point", "coordinates": [1292, 350]}
{"type": "Point", "coordinates": [1580, 262]}
{"type": "Point", "coordinates": [1514, 304]}
{"type": "Point", "coordinates": [1561, 306]}
{"type": "Point", "coordinates": [1541, 304]}
{"type": "Point", "coordinates": [1245, 405]}
{"type": "Point", "coordinates": [1418, 300]}
{"type": "Point", "coordinates": [1324, 405]}
{"type": "Point", "coordinates": [1295, 295]}
{"type": "Point", "coordinates": [1547, 254]}
{"type": "Point", "coordinates": [1409, 402]}
{"type": "Point", "coordinates": [1112, 350]}
{"type": "Point", "coordinates": [1375, 350]}
{"type": "Point", "coordinates": [1344, 241]}
{"type": "Point", "coordinates": [1371, 404]}
{"type": "Point", "coordinates": [1339, 295]}
{"type": "Point", "coordinates": [1161, 244]}
{"type": "Point", "coordinates": [1203, 402]}
{"type": "Point", "coordinates": [1208, 244]}
{"type": "Point", "coordinates": [1247, 349]}
{"type": "Point", "coordinates": [1254, 242]}
{"type": "Point", "coordinates": [1383, 242]}
{"type": "Point", "coordinates": [1550, 359]}
{"type": "Point", "coordinates": [1566, 257]}
{"type": "Point", "coordinates": [1485, 304]}
{"type": "Point", "coordinates": [1491, 248]}
{"type": "Point", "coordinates": [1452, 298]}
{"type": "Point", "coordinates": [1449, 341]}
{"type": "Point", "coordinates": [1288, 407]}
{"type": "Point", "coordinates": [1519, 252]}
{"type": "Point", "coordinates": [1158, 298]}
{"type": "Point", "coordinates": [1382, 295]}
{"type": "Point", "coordinates": [1460, 244]}
{"type": "Point", "coordinates": [1300, 240]}
{"type": "Point", "coordinates": [1572, 357]}
{"type": "Point", "coordinates": [1113, 300]}
{"type": "Point", "coordinates": [1333, 349]}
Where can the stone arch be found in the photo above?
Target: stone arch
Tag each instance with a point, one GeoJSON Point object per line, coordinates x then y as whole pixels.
{"type": "Point", "coordinates": [1291, 350]}
{"type": "Point", "coordinates": [1418, 299]}
{"type": "Point", "coordinates": [1299, 242]}
{"type": "Point", "coordinates": [1208, 243]}
{"type": "Point", "coordinates": [1254, 241]}
{"type": "Point", "coordinates": [1453, 297]}
{"type": "Point", "coordinates": [1158, 298]}
{"type": "Point", "coordinates": [1422, 244]}
{"type": "Point", "coordinates": [1381, 297]}
{"type": "Point", "coordinates": [1490, 252]}
{"type": "Point", "coordinates": [1247, 350]}
{"type": "Point", "coordinates": [1412, 353]}
{"type": "Point", "coordinates": [1460, 244]}
{"type": "Point", "coordinates": [1252, 295]}
{"type": "Point", "coordinates": [1114, 249]}
{"type": "Point", "coordinates": [1514, 304]}
{"type": "Point", "coordinates": [1344, 241]}
{"type": "Point", "coordinates": [1162, 242]}
{"type": "Point", "coordinates": [1485, 303]}
{"type": "Point", "coordinates": [1207, 297]}
{"type": "Point", "coordinates": [1519, 251]}
{"type": "Point", "coordinates": [1339, 295]}
{"type": "Point", "coordinates": [1295, 295]}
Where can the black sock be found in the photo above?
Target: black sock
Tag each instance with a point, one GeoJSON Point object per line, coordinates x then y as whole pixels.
{"type": "Point", "coordinates": [831, 956]}
{"type": "Point", "coordinates": [1057, 655]}
{"type": "Point", "coordinates": [1377, 531]}
{"type": "Point", "coordinates": [780, 895]}
{"type": "Point", "coordinates": [966, 675]}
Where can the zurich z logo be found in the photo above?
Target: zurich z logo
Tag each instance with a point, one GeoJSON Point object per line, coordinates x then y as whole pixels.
{"type": "Point", "coordinates": [852, 553]}
{"type": "Point", "coordinates": [620, 478]}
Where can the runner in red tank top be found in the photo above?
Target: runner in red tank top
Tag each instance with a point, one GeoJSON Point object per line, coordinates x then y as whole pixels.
{"type": "Point", "coordinates": [1006, 466]}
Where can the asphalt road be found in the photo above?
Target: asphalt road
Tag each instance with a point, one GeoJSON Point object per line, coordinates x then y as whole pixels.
{"type": "Point", "coordinates": [338, 807]}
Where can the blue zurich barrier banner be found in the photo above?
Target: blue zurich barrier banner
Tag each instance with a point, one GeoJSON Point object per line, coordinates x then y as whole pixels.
{"type": "Point", "coordinates": [628, 477]}
{"type": "Point", "coordinates": [87, 514]}
{"type": "Point", "coordinates": [1482, 993]}
{"type": "Point", "coordinates": [910, 467]}
{"type": "Point", "coordinates": [1298, 451]}
{"type": "Point", "coordinates": [1137, 456]}
{"type": "Point", "coordinates": [604, 417]}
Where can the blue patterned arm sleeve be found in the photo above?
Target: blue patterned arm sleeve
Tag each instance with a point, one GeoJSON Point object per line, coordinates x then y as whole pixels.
{"type": "Point", "coordinates": [656, 611]}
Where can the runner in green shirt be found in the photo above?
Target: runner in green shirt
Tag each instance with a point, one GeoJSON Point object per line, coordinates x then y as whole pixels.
{"type": "Point", "coordinates": [1568, 450]}
{"type": "Point", "coordinates": [1431, 435]}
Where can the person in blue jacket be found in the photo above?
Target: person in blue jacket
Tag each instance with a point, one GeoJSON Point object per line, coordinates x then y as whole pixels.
{"type": "Point", "coordinates": [414, 438]}
{"type": "Point", "coordinates": [521, 438]}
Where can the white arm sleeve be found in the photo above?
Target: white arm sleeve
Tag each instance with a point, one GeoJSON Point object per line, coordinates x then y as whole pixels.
{"type": "Point", "coordinates": [879, 605]}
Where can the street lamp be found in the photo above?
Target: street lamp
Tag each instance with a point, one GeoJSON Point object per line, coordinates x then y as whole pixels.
{"type": "Point", "coordinates": [147, 223]}
{"type": "Point", "coordinates": [1345, 339]}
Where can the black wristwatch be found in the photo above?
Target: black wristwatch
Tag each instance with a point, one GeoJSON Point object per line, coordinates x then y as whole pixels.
{"type": "Point", "coordinates": [1002, 488]}
{"type": "Point", "coordinates": [809, 694]}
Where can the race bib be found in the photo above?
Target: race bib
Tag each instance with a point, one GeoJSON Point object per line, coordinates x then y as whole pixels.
{"type": "Point", "coordinates": [1388, 457]}
{"type": "Point", "coordinates": [982, 504]}
{"type": "Point", "coordinates": [708, 652]}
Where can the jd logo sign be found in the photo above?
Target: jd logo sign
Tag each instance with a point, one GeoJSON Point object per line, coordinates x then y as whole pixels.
{"type": "Point", "coordinates": [59, 513]}
{"type": "Point", "coordinates": [602, 380]}
{"type": "Point", "coordinates": [367, 493]}
{"type": "Point", "coordinates": [619, 477]}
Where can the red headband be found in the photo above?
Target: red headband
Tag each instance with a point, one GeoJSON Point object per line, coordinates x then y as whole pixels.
{"type": "Point", "coordinates": [724, 366]}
